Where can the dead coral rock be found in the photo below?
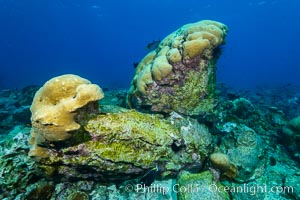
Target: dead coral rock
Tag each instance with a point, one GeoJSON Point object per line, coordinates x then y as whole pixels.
{"type": "Point", "coordinates": [180, 74]}
{"type": "Point", "coordinates": [128, 144]}
{"type": "Point", "coordinates": [40, 190]}
{"type": "Point", "coordinates": [244, 148]}
{"type": "Point", "coordinates": [291, 133]}
{"type": "Point", "coordinates": [200, 186]}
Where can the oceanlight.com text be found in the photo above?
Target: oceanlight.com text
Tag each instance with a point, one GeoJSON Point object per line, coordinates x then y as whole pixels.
{"type": "Point", "coordinates": [194, 188]}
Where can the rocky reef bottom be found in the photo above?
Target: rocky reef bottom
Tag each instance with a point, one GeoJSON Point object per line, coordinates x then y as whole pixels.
{"type": "Point", "coordinates": [255, 152]}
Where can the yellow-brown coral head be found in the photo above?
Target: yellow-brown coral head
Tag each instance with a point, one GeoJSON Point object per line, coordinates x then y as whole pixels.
{"type": "Point", "coordinates": [55, 106]}
{"type": "Point", "coordinates": [222, 162]}
{"type": "Point", "coordinates": [180, 74]}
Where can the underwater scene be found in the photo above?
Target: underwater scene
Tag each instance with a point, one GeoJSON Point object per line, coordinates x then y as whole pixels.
{"type": "Point", "coordinates": [149, 100]}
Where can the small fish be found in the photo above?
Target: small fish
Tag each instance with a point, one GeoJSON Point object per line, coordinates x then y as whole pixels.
{"type": "Point", "coordinates": [152, 45]}
{"type": "Point", "coordinates": [149, 177]}
{"type": "Point", "coordinates": [135, 64]}
{"type": "Point", "coordinates": [105, 89]}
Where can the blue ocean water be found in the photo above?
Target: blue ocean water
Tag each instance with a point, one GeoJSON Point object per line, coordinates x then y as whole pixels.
{"type": "Point", "coordinates": [101, 39]}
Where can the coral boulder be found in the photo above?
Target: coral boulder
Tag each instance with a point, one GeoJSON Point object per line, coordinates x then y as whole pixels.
{"type": "Point", "coordinates": [127, 144]}
{"type": "Point", "coordinates": [179, 75]}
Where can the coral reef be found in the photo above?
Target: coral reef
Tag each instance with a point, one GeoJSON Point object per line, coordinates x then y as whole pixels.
{"type": "Point", "coordinates": [284, 98]}
{"type": "Point", "coordinates": [22, 179]}
{"type": "Point", "coordinates": [16, 170]}
{"type": "Point", "coordinates": [14, 108]}
{"type": "Point", "coordinates": [73, 140]}
{"type": "Point", "coordinates": [247, 146]}
{"type": "Point", "coordinates": [180, 74]}
{"type": "Point", "coordinates": [56, 106]}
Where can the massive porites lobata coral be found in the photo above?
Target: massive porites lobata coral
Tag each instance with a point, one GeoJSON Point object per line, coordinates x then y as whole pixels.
{"type": "Point", "coordinates": [180, 74]}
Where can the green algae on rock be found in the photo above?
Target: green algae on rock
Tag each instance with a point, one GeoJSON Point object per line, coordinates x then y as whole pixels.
{"type": "Point", "coordinates": [291, 133]}
{"type": "Point", "coordinates": [180, 74]}
{"type": "Point", "coordinates": [200, 187]}
{"type": "Point", "coordinates": [244, 148]}
{"type": "Point", "coordinates": [126, 144]}
{"type": "Point", "coordinates": [292, 129]}
{"type": "Point", "coordinates": [17, 171]}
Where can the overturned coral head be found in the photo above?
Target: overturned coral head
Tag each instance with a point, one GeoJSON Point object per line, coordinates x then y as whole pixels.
{"type": "Point", "coordinates": [180, 74]}
{"type": "Point", "coordinates": [55, 109]}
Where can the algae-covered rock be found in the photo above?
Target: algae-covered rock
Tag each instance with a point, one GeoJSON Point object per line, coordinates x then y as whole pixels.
{"type": "Point", "coordinates": [292, 183]}
{"type": "Point", "coordinates": [200, 187]}
{"type": "Point", "coordinates": [78, 190]}
{"type": "Point", "coordinates": [78, 196]}
{"type": "Point", "coordinates": [291, 133]}
{"type": "Point", "coordinates": [180, 75]}
{"type": "Point", "coordinates": [124, 145]}
{"type": "Point", "coordinates": [159, 189]}
{"type": "Point", "coordinates": [40, 190]}
{"type": "Point", "coordinates": [244, 148]}
{"type": "Point", "coordinates": [195, 135]}
{"type": "Point", "coordinates": [17, 171]}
